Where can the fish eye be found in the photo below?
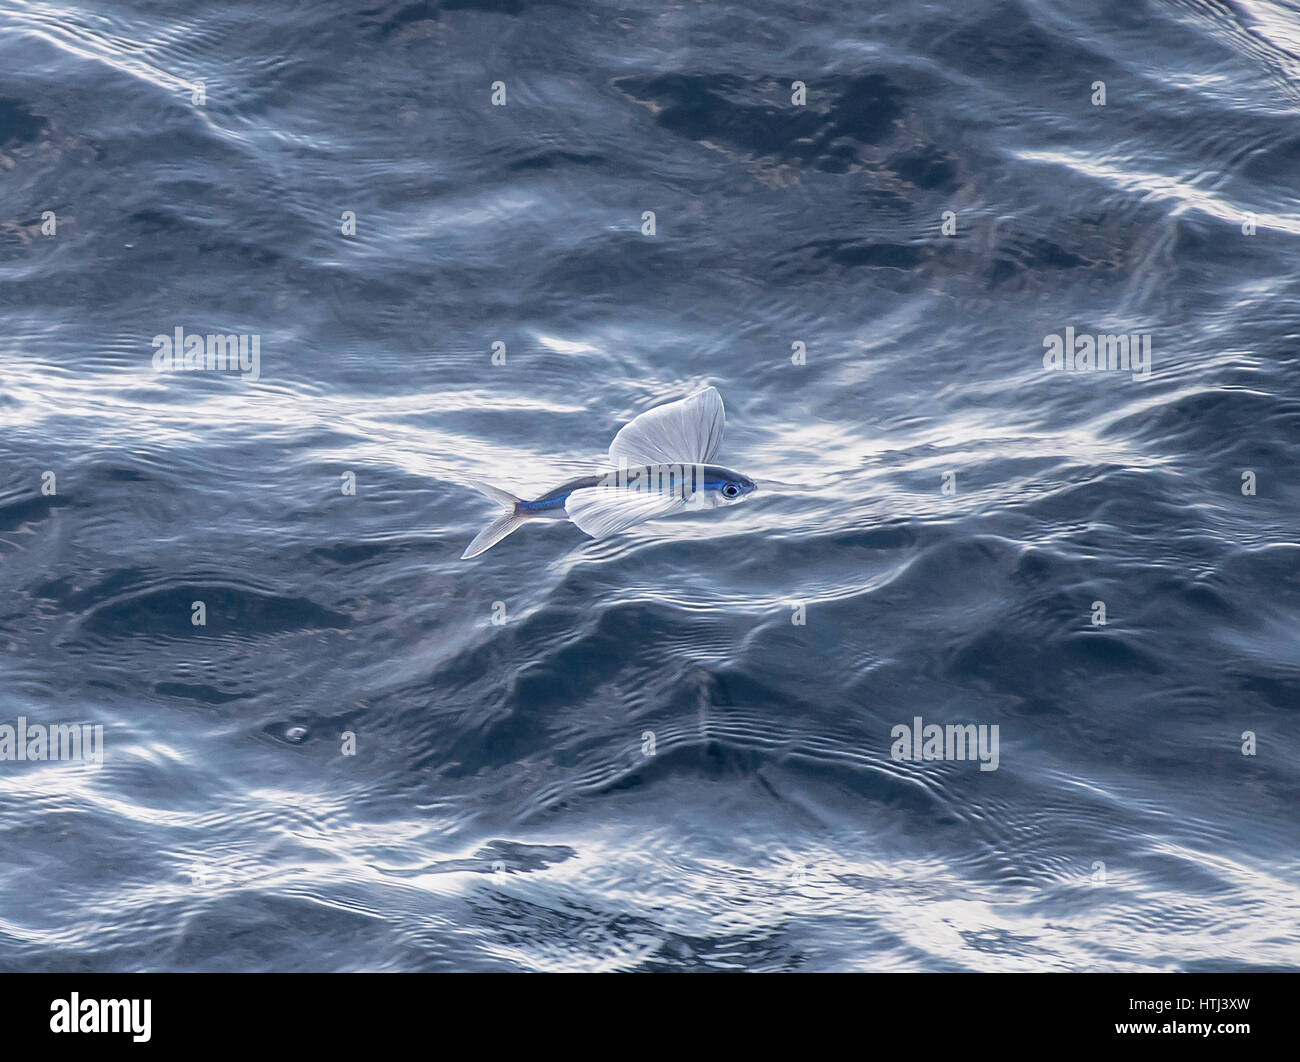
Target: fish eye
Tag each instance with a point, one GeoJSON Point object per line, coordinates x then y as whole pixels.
{"type": "Point", "coordinates": [730, 490]}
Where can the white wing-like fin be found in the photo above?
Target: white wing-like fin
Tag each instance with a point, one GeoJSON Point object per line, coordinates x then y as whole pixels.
{"type": "Point", "coordinates": [604, 511]}
{"type": "Point", "coordinates": [688, 431]}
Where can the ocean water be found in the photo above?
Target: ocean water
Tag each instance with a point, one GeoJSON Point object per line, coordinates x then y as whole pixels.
{"type": "Point", "coordinates": [673, 749]}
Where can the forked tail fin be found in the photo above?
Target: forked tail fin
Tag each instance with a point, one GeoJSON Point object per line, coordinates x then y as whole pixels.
{"type": "Point", "coordinates": [498, 528]}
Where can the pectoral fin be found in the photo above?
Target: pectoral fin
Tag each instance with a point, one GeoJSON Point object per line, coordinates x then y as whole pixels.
{"type": "Point", "coordinates": [604, 511]}
{"type": "Point", "coordinates": [688, 431]}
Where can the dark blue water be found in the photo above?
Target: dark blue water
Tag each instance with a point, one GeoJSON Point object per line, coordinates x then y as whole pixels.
{"type": "Point", "coordinates": [648, 764]}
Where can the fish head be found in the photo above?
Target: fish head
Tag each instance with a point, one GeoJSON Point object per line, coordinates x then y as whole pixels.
{"type": "Point", "coordinates": [727, 487]}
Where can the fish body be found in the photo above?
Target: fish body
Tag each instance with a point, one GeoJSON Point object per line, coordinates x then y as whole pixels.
{"type": "Point", "coordinates": [663, 457]}
{"type": "Point", "coordinates": [686, 481]}
{"type": "Point", "coordinates": [550, 506]}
